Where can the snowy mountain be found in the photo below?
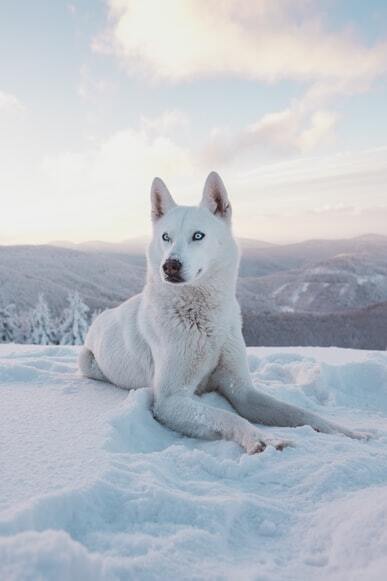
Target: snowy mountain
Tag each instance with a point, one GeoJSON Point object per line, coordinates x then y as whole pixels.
{"type": "Point", "coordinates": [345, 281]}
{"type": "Point", "coordinates": [101, 279]}
{"type": "Point", "coordinates": [288, 293]}
{"type": "Point", "coordinates": [129, 246]}
{"type": "Point", "coordinates": [280, 258]}
{"type": "Point", "coordinates": [319, 276]}
{"type": "Point", "coordinates": [364, 328]}
{"type": "Point", "coordinates": [93, 488]}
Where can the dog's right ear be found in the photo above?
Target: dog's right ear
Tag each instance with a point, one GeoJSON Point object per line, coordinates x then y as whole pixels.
{"type": "Point", "coordinates": [215, 197]}
{"type": "Point", "coordinates": [161, 199]}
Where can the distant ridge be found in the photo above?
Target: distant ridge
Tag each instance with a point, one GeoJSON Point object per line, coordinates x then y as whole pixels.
{"type": "Point", "coordinates": [131, 245]}
{"type": "Point", "coordinates": [281, 288]}
{"type": "Point", "coordinates": [138, 245]}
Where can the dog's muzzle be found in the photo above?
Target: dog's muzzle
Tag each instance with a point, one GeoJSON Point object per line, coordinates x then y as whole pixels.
{"type": "Point", "coordinates": [172, 270]}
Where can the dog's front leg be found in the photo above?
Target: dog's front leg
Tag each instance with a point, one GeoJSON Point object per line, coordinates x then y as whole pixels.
{"type": "Point", "coordinates": [232, 379]}
{"type": "Point", "coordinates": [176, 406]}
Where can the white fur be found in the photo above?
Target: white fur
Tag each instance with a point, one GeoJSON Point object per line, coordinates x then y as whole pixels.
{"type": "Point", "coordinates": [185, 338]}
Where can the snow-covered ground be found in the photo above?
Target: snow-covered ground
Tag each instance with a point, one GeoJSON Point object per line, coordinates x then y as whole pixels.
{"type": "Point", "coordinates": [92, 487]}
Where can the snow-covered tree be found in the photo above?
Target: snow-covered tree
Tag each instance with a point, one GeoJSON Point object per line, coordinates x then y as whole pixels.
{"type": "Point", "coordinates": [75, 321]}
{"type": "Point", "coordinates": [42, 328]}
{"type": "Point", "coordinates": [7, 324]}
{"type": "Point", "coordinates": [22, 327]}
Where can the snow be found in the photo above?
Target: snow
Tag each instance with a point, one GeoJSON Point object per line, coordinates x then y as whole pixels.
{"type": "Point", "coordinates": [280, 289]}
{"type": "Point", "coordinates": [286, 309]}
{"type": "Point", "coordinates": [371, 278]}
{"type": "Point", "coordinates": [93, 488]}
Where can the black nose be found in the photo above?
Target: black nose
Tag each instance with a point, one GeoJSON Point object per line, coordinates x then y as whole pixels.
{"type": "Point", "coordinates": [172, 267]}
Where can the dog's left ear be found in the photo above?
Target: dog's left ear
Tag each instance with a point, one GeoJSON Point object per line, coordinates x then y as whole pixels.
{"type": "Point", "coordinates": [215, 197]}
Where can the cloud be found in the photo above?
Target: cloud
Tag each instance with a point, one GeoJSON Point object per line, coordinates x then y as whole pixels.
{"type": "Point", "coordinates": [321, 126]}
{"type": "Point", "coordinates": [9, 102]}
{"type": "Point", "coordinates": [100, 192]}
{"type": "Point", "coordinates": [333, 223]}
{"type": "Point", "coordinates": [346, 176]}
{"type": "Point", "coordinates": [166, 123]}
{"type": "Point", "coordinates": [90, 87]}
{"type": "Point", "coordinates": [123, 165]}
{"type": "Point", "coordinates": [337, 195]}
{"type": "Point", "coordinates": [298, 129]}
{"type": "Point", "coordinates": [267, 40]}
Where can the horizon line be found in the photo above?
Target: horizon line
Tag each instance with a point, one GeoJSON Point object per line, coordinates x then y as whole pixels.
{"type": "Point", "coordinates": [144, 238]}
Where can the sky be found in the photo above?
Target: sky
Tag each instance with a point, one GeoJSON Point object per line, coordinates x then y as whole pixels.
{"type": "Point", "coordinates": [286, 99]}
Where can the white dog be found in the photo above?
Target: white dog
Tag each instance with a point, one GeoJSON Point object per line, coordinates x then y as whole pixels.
{"type": "Point", "coordinates": [182, 334]}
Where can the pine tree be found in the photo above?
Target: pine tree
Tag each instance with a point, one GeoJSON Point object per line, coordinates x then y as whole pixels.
{"type": "Point", "coordinates": [75, 321]}
{"type": "Point", "coordinates": [23, 327]}
{"type": "Point", "coordinates": [42, 329]}
{"type": "Point", "coordinates": [7, 324]}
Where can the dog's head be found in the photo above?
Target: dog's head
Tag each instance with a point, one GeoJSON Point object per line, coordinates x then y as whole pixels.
{"type": "Point", "coordinates": [190, 243]}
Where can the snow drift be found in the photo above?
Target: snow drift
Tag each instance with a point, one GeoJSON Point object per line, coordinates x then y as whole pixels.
{"type": "Point", "coordinates": [92, 487]}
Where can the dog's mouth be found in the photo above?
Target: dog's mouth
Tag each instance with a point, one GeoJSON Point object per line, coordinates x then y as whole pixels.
{"type": "Point", "coordinates": [174, 279]}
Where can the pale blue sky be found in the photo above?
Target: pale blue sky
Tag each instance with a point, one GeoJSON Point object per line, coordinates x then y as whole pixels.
{"type": "Point", "coordinates": [287, 100]}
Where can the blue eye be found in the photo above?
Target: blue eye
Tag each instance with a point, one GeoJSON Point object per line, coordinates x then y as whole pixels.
{"type": "Point", "coordinates": [165, 237]}
{"type": "Point", "coordinates": [198, 236]}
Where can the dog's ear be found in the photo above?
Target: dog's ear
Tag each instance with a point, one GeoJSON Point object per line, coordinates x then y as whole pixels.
{"type": "Point", "coordinates": [161, 199]}
{"type": "Point", "coordinates": [215, 197]}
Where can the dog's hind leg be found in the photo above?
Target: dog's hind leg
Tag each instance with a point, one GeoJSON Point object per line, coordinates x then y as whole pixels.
{"type": "Point", "coordinates": [232, 379]}
{"type": "Point", "coordinates": [180, 409]}
{"type": "Point", "coordinates": [88, 365]}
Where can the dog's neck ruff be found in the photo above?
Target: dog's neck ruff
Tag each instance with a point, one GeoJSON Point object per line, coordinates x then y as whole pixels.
{"type": "Point", "coordinates": [195, 306]}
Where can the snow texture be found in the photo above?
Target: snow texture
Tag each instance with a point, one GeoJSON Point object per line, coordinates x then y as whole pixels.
{"type": "Point", "coordinates": [93, 488]}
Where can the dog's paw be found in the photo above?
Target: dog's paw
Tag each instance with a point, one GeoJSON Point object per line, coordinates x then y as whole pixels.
{"type": "Point", "coordinates": [279, 444]}
{"type": "Point", "coordinates": [257, 444]}
{"type": "Point", "coordinates": [358, 435]}
{"type": "Point", "coordinates": [254, 445]}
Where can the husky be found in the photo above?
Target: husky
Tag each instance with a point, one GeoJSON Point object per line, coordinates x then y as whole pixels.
{"type": "Point", "coordinates": [183, 334]}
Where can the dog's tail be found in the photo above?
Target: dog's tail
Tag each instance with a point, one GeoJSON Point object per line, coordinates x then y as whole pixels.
{"type": "Point", "coordinates": [88, 365]}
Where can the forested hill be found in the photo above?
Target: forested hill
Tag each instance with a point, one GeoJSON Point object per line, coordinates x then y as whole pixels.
{"type": "Point", "coordinates": [290, 294]}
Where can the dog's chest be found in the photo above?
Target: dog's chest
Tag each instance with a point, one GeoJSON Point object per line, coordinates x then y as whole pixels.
{"type": "Point", "coordinates": [193, 318]}
{"type": "Point", "coordinates": [192, 325]}
{"type": "Point", "coordinates": [197, 314]}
